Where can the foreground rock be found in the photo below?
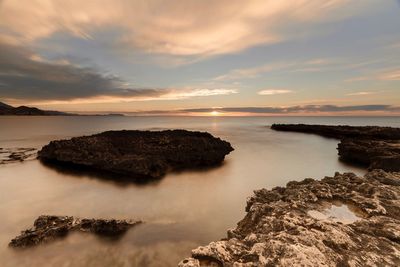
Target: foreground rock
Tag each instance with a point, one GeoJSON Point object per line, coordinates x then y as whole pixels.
{"type": "Point", "coordinates": [282, 226]}
{"type": "Point", "coordinates": [49, 228]}
{"type": "Point", "coordinates": [372, 146]}
{"type": "Point", "coordinates": [141, 154]}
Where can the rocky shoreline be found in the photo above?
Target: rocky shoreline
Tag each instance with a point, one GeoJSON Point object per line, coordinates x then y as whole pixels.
{"type": "Point", "coordinates": [371, 146]}
{"type": "Point", "coordinates": [139, 154]}
{"type": "Point", "coordinates": [49, 228]}
{"type": "Point", "coordinates": [281, 228]}
{"type": "Point", "coordinates": [297, 225]}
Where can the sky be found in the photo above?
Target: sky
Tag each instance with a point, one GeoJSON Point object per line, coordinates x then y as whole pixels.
{"type": "Point", "coordinates": [199, 57]}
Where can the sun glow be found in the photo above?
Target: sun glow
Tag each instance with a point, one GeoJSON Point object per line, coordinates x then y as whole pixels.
{"type": "Point", "coordinates": [215, 113]}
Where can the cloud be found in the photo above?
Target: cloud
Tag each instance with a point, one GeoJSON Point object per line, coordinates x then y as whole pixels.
{"type": "Point", "coordinates": [27, 77]}
{"type": "Point", "coordinates": [274, 91]}
{"type": "Point", "coordinates": [179, 28]}
{"type": "Point", "coordinates": [298, 109]}
{"type": "Point", "coordinates": [358, 79]}
{"type": "Point", "coordinates": [386, 75]}
{"type": "Point", "coordinates": [361, 93]}
{"type": "Point", "coordinates": [247, 73]}
{"type": "Point", "coordinates": [393, 75]}
{"type": "Point", "coordinates": [313, 65]}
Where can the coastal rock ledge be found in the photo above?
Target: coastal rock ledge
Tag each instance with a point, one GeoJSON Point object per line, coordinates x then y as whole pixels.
{"type": "Point", "coordinates": [372, 146]}
{"type": "Point", "coordinates": [48, 228]}
{"type": "Point", "coordinates": [139, 154]}
{"type": "Point", "coordinates": [284, 226]}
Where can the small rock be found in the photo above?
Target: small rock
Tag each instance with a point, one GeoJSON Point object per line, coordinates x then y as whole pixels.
{"type": "Point", "coordinates": [48, 228]}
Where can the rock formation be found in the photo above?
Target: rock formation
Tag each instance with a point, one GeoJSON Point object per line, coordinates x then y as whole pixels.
{"type": "Point", "coordinates": [49, 228]}
{"type": "Point", "coordinates": [377, 154]}
{"type": "Point", "coordinates": [372, 146]}
{"type": "Point", "coordinates": [139, 154]}
{"type": "Point", "coordinates": [342, 131]}
{"type": "Point", "coordinates": [11, 155]}
{"type": "Point", "coordinates": [280, 228]}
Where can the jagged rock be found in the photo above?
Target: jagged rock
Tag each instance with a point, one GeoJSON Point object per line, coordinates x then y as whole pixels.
{"type": "Point", "coordinates": [280, 229]}
{"type": "Point", "coordinates": [48, 228]}
{"type": "Point", "coordinates": [342, 131]}
{"type": "Point", "coordinates": [11, 155]}
{"type": "Point", "coordinates": [372, 146]}
{"type": "Point", "coordinates": [142, 154]}
{"type": "Point", "coordinates": [376, 154]}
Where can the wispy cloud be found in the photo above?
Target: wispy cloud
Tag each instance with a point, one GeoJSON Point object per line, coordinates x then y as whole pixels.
{"type": "Point", "coordinates": [274, 91]}
{"type": "Point", "coordinates": [358, 78]}
{"type": "Point", "coordinates": [362, 93]}
{"type": "Point", "coordinates": [181, 28]}
{"type": "Point", "coordinates": [313, 65]}
{"type": "Point", "coordinates": [380, 75]}
{"type": "Point", "coordinates": [247, 73]}
{"type": "Point", "coordinates": [393, 75]}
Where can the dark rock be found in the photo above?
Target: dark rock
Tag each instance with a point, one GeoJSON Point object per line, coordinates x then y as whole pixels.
{"type": "Point", "coordinates": [49, 228]}
{"type": "Point", "coordinates": [12, 155]}
{"type": "Point", "coordinates": [281, 227]}
{"type": "Point", "coordinates": [371, 146]}
{"type": "Point", "coordinates": [139, 154]}
{"type": "Point", "coordinates": [377, 154]}
{"type": "Point", "coordinates": [342, 131]}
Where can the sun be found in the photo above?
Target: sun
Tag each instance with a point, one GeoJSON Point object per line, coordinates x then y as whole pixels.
{"type": "Point", "coordinates": [215, 113]}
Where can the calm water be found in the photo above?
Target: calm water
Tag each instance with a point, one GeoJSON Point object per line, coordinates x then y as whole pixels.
{"type": "Point", "coordinates": [182, 210]}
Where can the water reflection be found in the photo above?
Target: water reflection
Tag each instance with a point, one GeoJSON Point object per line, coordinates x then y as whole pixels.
{"type": "Point", "coordinates": [338, 212]}
{"type": "Point", "coordinates": [77, 171]}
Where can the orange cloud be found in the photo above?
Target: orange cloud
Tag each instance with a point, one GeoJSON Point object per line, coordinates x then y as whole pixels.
{"type": "Point", "coordinates": [181, 28]}
{"type": "Point", "coordinates": [274, 91]}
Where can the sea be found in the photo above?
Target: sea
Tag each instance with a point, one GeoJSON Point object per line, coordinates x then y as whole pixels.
{"type": "Point", "coordinates": [181, 211]}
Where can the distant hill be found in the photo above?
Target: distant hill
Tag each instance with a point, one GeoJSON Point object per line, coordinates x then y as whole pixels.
{"type": "Point", "coordinates": [30, 111]}
{"type": "Point", "coordinates": [4, 105]}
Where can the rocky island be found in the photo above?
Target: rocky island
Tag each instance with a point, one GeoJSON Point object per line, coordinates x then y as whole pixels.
{"type": "Point", "coordinates": [139, 154]}
{"type": "Point", "coordinates": [372, 146]}
{"type": "Point", "coordinates": [294, 225]}
{"type": "Point", "coordinates": [49, 228]}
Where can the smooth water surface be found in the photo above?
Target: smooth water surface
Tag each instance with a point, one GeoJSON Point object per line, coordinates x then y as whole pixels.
{"type": "Point", "coordinates": [181, 211]}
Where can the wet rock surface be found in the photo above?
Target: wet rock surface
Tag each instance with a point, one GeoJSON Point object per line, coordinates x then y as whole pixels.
{"type": "Point", "coordinates": [12, 155]}
{"type": "Point", "coordinates": [372, 146]}
{"type": "Point", "coordinates": [139, 154]}
{"type": "Point", "coordinates": [279, 231]}
{"type": "Point", "coordinates": [48, 228]}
